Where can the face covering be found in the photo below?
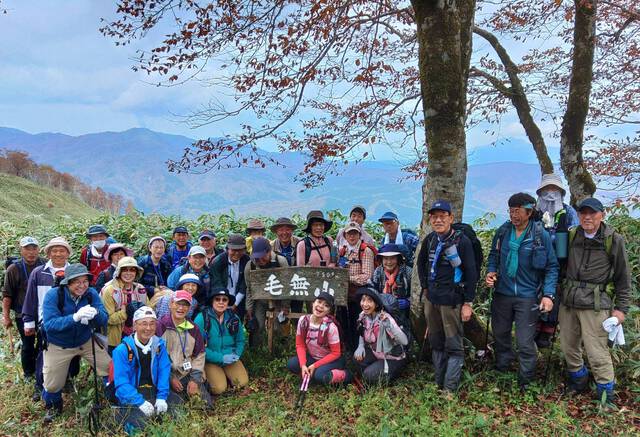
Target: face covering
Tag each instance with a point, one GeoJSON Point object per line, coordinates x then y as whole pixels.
{"type": "Point", "coordinates": [99, 245]}
{"type": "Point", "coordinates": [550, 201]}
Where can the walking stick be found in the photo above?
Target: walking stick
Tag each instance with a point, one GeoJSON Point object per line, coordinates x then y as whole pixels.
{"type": "Point", "coordinates": [304, 387]}
{"type": "Point", "coordinates": [94, 415]}
{"type": "Point", "coordinates": [484, 354]}
{"type": "Point", "coordinates": [548, 366]}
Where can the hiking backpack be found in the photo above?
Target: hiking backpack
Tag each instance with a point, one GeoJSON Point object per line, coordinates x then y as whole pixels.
{"type": "Point", "coordinates": [538, 252]}
{"type": "Point", "coordinates": [468, 230]}
{"type": "Point", "coordinates": [323, 334]}
{"type": "Point", "coordinates": [363, 246]}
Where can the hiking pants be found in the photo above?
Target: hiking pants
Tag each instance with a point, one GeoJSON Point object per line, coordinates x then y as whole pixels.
{"type": "Point", "coordinates": [373, 369]}
{"type": "Point", "coordinates": [505, 310]}
{"type": "Point", "coordinates": [28, 352]}
{"type": "Point", "coordinates": [219, 377]}
{"type": "Point", "coordinates": [183, 396]}
{"type": "Point", "coordinates": [322, 375]}
{"type": "Point", "coordinates": [446, 338]}
{"type": "Point", "coordinates": [581, 330]}
{"type": "Point", "coordinates": [57, 360]}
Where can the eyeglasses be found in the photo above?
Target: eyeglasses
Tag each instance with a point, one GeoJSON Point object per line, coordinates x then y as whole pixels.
{"type": "Point", "coordinates": [129, 269]}
{"type": "Point", "coordinates": [221, 299]}
{"type": "Point", "coordinates": [515, 211]}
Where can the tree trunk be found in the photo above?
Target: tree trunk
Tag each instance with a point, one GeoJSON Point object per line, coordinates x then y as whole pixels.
{"type": "Point", "coordinates": [444, 32]}
{"type": "Point", "coordinates": [580, 181]}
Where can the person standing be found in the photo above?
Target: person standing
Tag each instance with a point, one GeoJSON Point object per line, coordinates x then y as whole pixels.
{"type": "Point", "coordinates": [595, 294]}
{"type": "Point", "coordinates": [92, 255]}
{"type": "Point", "coordinates": [448, 276]}
{"type": "Point", "coordinates": [521, 263]}
{"type": "Point", "coordinates": [13, 295]}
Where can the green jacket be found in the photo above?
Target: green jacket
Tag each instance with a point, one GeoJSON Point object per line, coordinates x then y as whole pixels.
{"type": "Point", "coordinates": [589, 266]}
{"type": "Point", "coordinates": [221, 338]}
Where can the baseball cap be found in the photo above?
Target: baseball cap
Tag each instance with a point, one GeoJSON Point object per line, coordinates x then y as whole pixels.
{"type": "Point", "coordinates": [388, 216]}
{"type": "Point", "coordinates": [207, 234]}
{"type": "Point", "coordinates": [28, 241]}
{"type": "Point", "coordinates": [260, 247]}
{"type": "Point", "coordinates": [182, 295]}
{"type": "Point", "coordinates": [144, 312]}
{"type": "Point", "coordinates": [197, 250]}
{"type": "Point", "coordinates": [591, 202]}
{"type": "Point", "coordinates": [440, 205]}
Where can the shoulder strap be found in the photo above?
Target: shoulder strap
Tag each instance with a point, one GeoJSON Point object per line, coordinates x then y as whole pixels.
{"type": "Point", "coordinates": [608, 244]}
{"type": "Point", "coordinates": [572, 235]}
{"type": "Point", "coordinates": [307, 249]}
{"type": "Point", "coordinates": [61, 299]}
{"type": "Point", "coordinates": [89, 256]}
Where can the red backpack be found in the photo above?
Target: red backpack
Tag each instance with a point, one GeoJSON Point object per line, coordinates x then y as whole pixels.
{"type": "Point", "coordinates": [363, 246]}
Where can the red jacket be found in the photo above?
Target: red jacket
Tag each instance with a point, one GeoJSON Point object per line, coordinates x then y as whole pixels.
{"type": "Point", "coordinates": [94, 265]}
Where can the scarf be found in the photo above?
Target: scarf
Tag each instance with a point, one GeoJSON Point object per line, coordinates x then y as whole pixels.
{"type": "Point", "coordinates": [390, 284]}
{"type": "Point", "coordinates": [184, 326]}
{"type": "Point", "coordinates": [514, 247]}
{"type": "Point", "coordinates": [144, 347]}
{"type": "Point", "coordinates": [436, 256]}
{"type": "Point", "coordinates": [550, 201]}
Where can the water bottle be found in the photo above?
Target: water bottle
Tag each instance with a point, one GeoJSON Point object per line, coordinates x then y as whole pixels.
{"type": "Point", "coordinates": [561, 244]}
{"type": "Point", "coordinates": [333, 259]}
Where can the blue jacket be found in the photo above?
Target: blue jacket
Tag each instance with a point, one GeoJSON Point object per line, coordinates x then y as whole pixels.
{"type": "Point", "coordinates": [174, 256]}
{"type": "Point", "coordinates": [204, 276]}
{"type": "Point", "coordinates": [219, 340]}
{"type": "Point", "coordinates": [528, 280]}
{"type": "Point", "coordinates": [60, 327]}
{"type": "Point", "coordinates": [126, 374]}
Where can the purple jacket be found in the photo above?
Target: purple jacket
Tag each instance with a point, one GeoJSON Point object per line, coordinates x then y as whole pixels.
{"type": "Point", "coordinates": [40, 281]}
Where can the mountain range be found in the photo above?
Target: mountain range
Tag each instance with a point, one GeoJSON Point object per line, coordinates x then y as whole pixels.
{"type": "Point", "coordinates": [133, 163]}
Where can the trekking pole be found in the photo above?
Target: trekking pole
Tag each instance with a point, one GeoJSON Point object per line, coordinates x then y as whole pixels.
{"type": "Point", "coordinates": [94, 415]}
{"type": "Point", "coordinates": [302, 394]}
{"type": "Point", "coordinates": [12, 348]}
{"type": "Point", "coordinates": [548, 366]}
{"type": "Point", "coordinates": [485, 352]}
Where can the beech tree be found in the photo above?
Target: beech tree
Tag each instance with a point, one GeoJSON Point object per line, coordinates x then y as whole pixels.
{"type": "Point", "coordinates": [587, 78]}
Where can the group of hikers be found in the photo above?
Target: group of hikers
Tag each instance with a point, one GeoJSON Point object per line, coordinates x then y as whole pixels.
{"type": "Point", "coordinates": [170, 325]}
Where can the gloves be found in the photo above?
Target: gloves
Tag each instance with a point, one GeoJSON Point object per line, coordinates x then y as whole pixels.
{"type": "Point", "coordinates": [229, 359]}
{"type": "Point", "coordinates": [235, 357]}
{"type": "Point", "coordinates": [359, 353]}
{"type": "Point", "coordinates": [87, 313]}
{"type": "Point", "coordinates": [403, 303]}
{"type": "Point", "coordinates": [161, 406]}
{"type": "Point", "coordinates": [147, 408]}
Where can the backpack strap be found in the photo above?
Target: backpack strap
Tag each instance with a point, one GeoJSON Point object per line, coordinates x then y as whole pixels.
{"type": "Point", "coordinates": [308, 248]}
{"type": "Point", "coordinates": [61, 299]}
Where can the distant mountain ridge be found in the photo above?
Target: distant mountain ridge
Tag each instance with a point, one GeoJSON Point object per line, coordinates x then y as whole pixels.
{"type": "Point", "coordinates": [132, 163]}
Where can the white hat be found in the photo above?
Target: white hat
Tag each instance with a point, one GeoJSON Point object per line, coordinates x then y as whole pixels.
{"type": "Point", "coordinates": [28, 241]}
{"type": "Point", "coordinates": [144, 312]}
{"type": "Point", "coordinates": [57, 241]}
{"type": "Point", "coordinates": [551, 179]}
{"type": "Point", "coordinates": [197, 250]}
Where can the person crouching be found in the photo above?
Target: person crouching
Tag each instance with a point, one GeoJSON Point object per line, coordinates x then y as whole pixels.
{"type": "Point", "coordinates": [141, 372]}
{"type": "Point", "coordinates": [185, 346]}
{"type": "Point", "coordinates": [318, 345]}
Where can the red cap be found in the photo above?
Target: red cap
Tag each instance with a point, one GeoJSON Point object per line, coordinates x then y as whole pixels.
{"type": "Point", "coordinates": [182, 295]}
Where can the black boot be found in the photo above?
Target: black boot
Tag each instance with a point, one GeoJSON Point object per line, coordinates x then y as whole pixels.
{"type": "Point", "coordinates": [53, 411]}
{"type": "Point", "coordinates": [543, 340]}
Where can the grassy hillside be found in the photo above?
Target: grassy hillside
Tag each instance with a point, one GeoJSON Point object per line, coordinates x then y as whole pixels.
{"type": "Point", "coordinates": [20, 199]}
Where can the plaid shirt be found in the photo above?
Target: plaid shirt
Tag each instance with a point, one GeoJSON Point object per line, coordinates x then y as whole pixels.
{"type": "Point", "coordinates": [360, 267]}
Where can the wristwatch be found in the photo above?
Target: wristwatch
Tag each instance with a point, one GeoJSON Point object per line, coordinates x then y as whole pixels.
{"type": "Point", "coordinates": [550, 296]}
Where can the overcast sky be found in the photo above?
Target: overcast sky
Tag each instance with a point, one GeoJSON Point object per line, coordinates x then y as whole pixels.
{"type": "Point", "coordinates": [59, 74]}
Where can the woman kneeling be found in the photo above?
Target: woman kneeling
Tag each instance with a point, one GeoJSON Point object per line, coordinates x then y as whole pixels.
{"type": "Point", "coordinates": [318, 346]}
{"type": "Point", "coordinates": [224, 335]}
{"type": "Point", "coordinates": [380, 353]}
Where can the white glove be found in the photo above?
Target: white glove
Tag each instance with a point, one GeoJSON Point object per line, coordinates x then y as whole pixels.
{"type": "Point", "coordinates": [359, 353]}
{"type": "Point", "coordinates": [161, 406]}
{"type": "Point", "coordinates": [147, 408]}
{"type": "Point", "coordinates": [86, 312]}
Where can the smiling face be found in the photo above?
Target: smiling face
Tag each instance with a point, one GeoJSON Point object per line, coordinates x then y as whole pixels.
{"type": "Point", "coordinates": [116, 256]}
{"type": "Point", "coordinates": [191, 287]}
{"type": "Point", "coordinates": [181, 238]}
{"type": "Point", "coordinates": [208, 244]}
{"type": "Point", "coordinates": [29, 253]}
{"type": "Point", "coordinates": [284, 234]}
{"type": "Point", "coordinates": [157, 249]}
{"type": "Point", "coordinates": [79, 286]}
{"type": "Point", "coordinates": [320, 308]}
{"type": "Point", "coordinates": [357, 216]}
{"type": "Point", "coordinates": [145, 328]}
{"type": "Point", "coordinates": [220, 304]}
{"type": "Point", "coordinates": [440, 221]}
{"type": "Point", "coordinates": [58, 256]}
{"type": "Point", "coordinates": [367, 304]}
{"type": "Point", "coordinates": [197, 262]}
{"type": "Point", "coordinates": [590, 220]}
{"type": "Point", "coordinates": [264, 261]}
{"type": "Point", "coordinates": [235, 254]}
{"type": "Point", "coordinates": [519, 216]}
{"type": "Point", "coordinates": [128, 274]}
{"type": "Point", "coordinates": [179, 310]}
{"type": "Point", "coordinates": [390, 263]}
{"type": "Point", "coordinates": [317, 229]}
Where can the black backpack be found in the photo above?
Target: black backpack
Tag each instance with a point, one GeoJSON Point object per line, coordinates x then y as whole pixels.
{"type": "Point", "coordinates": [478, 254]}
{"type": "Point", "coordinates": [308, 248]}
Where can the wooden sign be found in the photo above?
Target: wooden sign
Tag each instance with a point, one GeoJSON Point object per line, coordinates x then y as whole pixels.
{"type": "Point", "coordinates": [299, 283]}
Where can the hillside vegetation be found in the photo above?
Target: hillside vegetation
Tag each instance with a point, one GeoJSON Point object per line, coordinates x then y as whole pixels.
{"type": "Point", "coordinates": [22, 200]}
{"type": "Point", "coordinates": [488, 403]}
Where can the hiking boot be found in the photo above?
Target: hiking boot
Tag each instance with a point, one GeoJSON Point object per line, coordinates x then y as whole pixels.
{"type": "Point", "coordinates": [605, 394]}
{"type": "Point", "coordinates": [37, 395]}
{"type": "Point", "coordinates": [578, 381]}
{"type": "Point", "coordinates": [543, 340]}
{"type": "Point", "coordinates": [52, 413]}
